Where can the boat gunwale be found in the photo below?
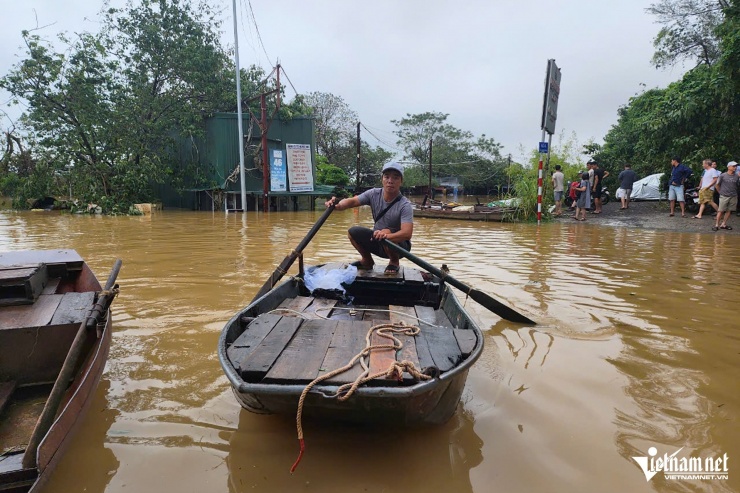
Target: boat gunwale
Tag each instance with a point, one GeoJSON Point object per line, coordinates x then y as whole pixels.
{"type": "Point", "coordinates": [329, 390]}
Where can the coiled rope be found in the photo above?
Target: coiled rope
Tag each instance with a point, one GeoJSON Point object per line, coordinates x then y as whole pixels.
{"type": "Point", "coordinates": [344, 392]}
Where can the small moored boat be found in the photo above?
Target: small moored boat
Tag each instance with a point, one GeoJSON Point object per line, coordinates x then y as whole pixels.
{"type": "Point", "coordinates": [288, 338]}
{"type": "Point", "coordinates": [55, 332]}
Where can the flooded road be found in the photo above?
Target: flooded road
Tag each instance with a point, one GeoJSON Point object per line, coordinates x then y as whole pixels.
{"type": "Point", "coordinates": [638, 346]}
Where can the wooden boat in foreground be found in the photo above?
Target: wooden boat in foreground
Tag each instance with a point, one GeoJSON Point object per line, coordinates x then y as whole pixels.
{"type": "Point", "coordinates": [272, 349]}
{"type": "Point", "coordinates": [51, 306]}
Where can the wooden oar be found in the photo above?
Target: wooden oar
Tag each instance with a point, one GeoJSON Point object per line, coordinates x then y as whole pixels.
{"type": "Point", "coordinates": [48, 415]}
{"type": "Point", "coordinates": [282, 269]}
{"type": "Point", "coordinates": [495, 306]}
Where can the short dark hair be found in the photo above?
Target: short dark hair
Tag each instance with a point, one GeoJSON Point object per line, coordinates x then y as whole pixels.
{"type": "Point", "coordinates": [627, 165]}
{"type": "Point", "coordinates": [584, 176]}
{"type": "Point", "coordinates": [676, 158]}
{"type": "Point", "coordinates": [557, 167]}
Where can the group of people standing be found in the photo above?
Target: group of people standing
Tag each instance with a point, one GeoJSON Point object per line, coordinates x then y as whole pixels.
{"type": "Point", "coordinates": [716, 189]}
{"type": "Point", "coordinates": [580, 191]}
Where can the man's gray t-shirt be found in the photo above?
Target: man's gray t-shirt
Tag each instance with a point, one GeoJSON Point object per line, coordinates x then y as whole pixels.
{"type": "Point", "coordinates": [400, 212]}
{"type": "Point", "coordinates": [727, 185]}
{"type": "Point", "coordinates": [627, 178]}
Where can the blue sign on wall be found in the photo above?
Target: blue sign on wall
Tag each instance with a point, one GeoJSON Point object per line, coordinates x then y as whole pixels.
{"type": "Point", "coordinates": [543, 147]}
{"type": "Point", "coordinates": [278, 172]}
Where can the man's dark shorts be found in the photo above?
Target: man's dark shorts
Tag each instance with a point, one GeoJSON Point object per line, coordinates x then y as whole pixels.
{"type": "Point", "coordinates": [364, 237]}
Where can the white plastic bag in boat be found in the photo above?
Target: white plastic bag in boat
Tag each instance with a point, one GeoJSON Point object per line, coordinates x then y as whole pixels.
{"type": "Point", "coordinates": [329, 278]}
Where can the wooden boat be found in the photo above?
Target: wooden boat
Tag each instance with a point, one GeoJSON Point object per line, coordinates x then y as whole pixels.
{"type": "Point", "coordinates": [282, 341]}
{"type": "Point", "coordinates": [473, 213]}
{"type": "Point", "coordinates": [49, 307]}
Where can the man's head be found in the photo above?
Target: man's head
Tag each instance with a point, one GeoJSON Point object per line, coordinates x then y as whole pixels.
{"type": "Point", "coordinates": [706, 164]}
{"type": "Point", "coordinates": [393, 168]}
{"type": "Point", "coordinates": [627, 166]}
{"type": "Point", "coordinates": [591, 164]}
{"type": "Point", "coordinates": [731, 167]}
{"type": "Point", "coordinates": [714, 164]}
{"type": "Point", "coordinates": [557, 167]}
{"type": "Point", "coordinates": [675, 160]}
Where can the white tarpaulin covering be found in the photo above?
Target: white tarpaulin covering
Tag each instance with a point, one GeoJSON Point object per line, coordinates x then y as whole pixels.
{"type": "Point", "coordinates": [648, 188]}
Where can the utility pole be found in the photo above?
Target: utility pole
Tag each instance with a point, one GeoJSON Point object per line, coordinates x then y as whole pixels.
{"type": "Point", "coordinates": [359, 149]}
{"type": "Point", "coordinates": [431, 192]}
{"type": "Point", "coordinates": [508, 173]}
{"type": "Point", "coordinates": [265, 157]}
{"type": "Point", "coordinates": [242, 177]}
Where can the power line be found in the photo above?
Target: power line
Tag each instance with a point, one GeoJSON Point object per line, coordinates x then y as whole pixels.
{"type": "Point", "coordinates": [381, 140]}
{"type": "Point", "coordinates": [245, 14]}
{"type": "Point", "coordinates": [289, 82]}
{"type": "Point", "coordinates": [259, 36]}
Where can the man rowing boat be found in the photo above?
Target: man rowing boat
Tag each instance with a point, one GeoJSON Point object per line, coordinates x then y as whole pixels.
{"type": "Point", "coordinates": [393, 216]}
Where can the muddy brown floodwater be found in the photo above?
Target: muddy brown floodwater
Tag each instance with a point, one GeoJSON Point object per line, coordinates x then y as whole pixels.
{"type": "Point", "coordinates": [638, 346]}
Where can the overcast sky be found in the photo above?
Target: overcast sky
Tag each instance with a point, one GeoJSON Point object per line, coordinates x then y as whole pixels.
{"type": "Point", "coordinates": [483, 62]}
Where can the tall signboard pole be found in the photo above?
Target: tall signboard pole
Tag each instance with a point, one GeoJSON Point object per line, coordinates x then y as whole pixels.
{"type": "Point", "coordinates": [549, 116]}
{"type": "Point", "coordinates": [242, 177]}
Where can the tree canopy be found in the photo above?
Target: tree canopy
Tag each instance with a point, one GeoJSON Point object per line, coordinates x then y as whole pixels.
{"type": "Point", "coordinates": [476, 161]}
{"type": "Point", "coordinates": [696, 117]}
{"type": "Point", "coordinates": [106, 109]}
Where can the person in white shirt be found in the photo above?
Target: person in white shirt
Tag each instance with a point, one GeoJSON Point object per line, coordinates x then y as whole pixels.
{"type": "Point", "coordinates": [706, 187]}
{"type": "Point", "coordinates": [557, 186]}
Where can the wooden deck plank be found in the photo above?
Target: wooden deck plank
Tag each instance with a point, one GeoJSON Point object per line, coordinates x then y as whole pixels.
{"type": "Point", "coordinates": [301, 359]}
{"type": "Point", "coordinates": [320, 307]}
{"type": "Point", "coordinates": [441, 342]}
{"type": "Point", "coordinates": [73, 308]}
{"type": "Point", "coordinates": [22, 284]}
{"type": "Point", "coordinates": [342, 312]}
{"type": "Point", "coordinates": [378, 317]}
{"type": "Point", "coordinates": [246, 343]}
{"type": "Point", "coordinates": [426, 314]}
{"type": "Point", "coordinates": [51, 286]}
{"type": "Point", "coordinates": [381, 359]}
{"type": "Point", "coordinates": [465, 340]}
{"type": "Point", "coordinates": [412, 275]}
{"type": "Point", "coordinates": [378, 273]}
{"type": "Point", "coordinates": [259, 362]}
{"type": "Point", "coordinates": [348, 340]}
{"type": "Point", "coordinates": [408, 351]}
{"type": "Point", "coordinates": [298, 304]}
{"type": "Point", "coordinates": [36, 315]}
{"type": "Point", "coordinates": [28, 257]}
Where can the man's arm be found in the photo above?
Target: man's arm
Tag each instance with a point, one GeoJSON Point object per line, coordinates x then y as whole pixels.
{"type": "Point", "coordinates": [403, 234]}
{"type": "Point", "coordinates": [343, 204]}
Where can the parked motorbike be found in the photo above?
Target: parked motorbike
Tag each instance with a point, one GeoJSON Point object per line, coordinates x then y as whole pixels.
{"type": "Point", "coordinates": [691, 197]}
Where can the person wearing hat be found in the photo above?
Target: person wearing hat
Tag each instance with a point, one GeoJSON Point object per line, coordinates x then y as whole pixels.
{"type": "Point", "coordinates": [727, 184]}
{"type": "Point", "coordinates": [393, 216]}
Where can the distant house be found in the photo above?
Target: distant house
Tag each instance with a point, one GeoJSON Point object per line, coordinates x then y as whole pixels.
{"type": "Point", "coordinates": [210, 166]}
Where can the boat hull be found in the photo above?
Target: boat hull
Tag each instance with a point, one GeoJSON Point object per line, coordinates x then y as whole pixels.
{"type": "Point", "coordinates": [50, 333]}
{"type": "Point", "coordinates": [430, 402]}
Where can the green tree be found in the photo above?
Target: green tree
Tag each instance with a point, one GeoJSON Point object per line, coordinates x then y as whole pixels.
{"type": "Point", "coordinates": [110, 105]}
{"type": "Point", "coordinates": [328, 174]}
{"type": "Point", "coordinates": [688, 32]}
{"type": "Point", "coordinates": [477, 162]}
{"type": "Point", "coordinates": [335, 122]}
{"type": "Point", "coordinates": [696, 117]}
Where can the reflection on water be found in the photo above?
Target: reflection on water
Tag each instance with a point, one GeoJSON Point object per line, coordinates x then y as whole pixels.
{"type": "Point", "coordinates": [342, 457]}
{"type": "Point", "coordinates": [637, 346]}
